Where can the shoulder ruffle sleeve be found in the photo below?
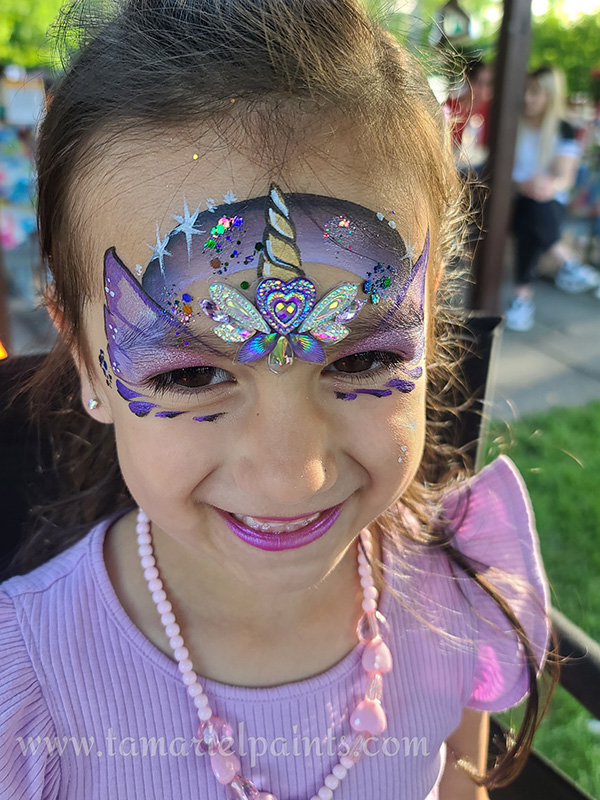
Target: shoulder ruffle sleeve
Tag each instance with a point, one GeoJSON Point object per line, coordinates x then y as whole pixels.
{"type": "Point", "coordinates": [494, 525]}
{"type": "Point", "coordinates": [29, 764]}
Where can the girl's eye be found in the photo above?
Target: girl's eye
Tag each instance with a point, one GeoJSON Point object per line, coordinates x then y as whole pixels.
{"type": "Point", "coordinates": [369, 362]}
{"type": "Point", "coordinates": [188, 378]}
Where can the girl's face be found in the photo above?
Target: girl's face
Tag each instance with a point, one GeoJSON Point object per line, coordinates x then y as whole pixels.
{"type": "Point", "coordinates": [214, 449]}
{"type": "Point", "coordinates": [536, 99]}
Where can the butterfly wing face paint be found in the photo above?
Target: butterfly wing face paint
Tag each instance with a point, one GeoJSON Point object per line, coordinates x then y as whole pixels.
{"type": "Point", "coordinates": [140, 334]}
{"type": "Point", "coordinates": [131, 317]}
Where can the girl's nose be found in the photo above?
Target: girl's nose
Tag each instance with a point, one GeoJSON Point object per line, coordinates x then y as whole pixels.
{"type": "Point", "coordinates": [284, 456]}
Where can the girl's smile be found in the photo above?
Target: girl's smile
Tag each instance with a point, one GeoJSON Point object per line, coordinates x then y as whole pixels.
{"type": "Point", "coordinates": [268, 533]}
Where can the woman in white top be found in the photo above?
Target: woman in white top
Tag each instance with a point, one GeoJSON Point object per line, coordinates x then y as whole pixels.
{"type": "Point", "coordinates": [545, 168]}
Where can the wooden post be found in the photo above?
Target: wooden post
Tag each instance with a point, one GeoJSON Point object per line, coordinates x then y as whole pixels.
{"type": "Point", "coordinates": [509, 88]}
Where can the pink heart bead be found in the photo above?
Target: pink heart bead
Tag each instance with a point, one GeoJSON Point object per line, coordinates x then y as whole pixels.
{"type": "Point", "coordinates": [224, 767]}
{"type": "Point", "coordinates": [377, 656]}
{"type": "Point", "coordinates": [369, 716]}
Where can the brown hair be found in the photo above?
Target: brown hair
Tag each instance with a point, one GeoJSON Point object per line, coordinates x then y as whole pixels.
{"type": "Point", "coordinates": [156, 64]}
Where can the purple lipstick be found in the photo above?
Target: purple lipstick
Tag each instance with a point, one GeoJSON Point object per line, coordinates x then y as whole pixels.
{"type": "Point", "coordinates": [269, 533]}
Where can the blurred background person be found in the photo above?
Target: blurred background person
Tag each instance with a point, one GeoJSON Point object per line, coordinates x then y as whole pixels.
{"type": "Point", "coordinates": [468, 112]}
{"type": "Point", "coordinates": [546, 161]}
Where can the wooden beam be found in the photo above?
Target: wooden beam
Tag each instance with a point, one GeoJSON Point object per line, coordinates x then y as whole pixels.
{"type": "Point", "coordinates": [509, 88]}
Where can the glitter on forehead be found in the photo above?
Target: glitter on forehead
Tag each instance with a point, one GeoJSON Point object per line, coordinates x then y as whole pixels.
{"type": "Point", "coordinates": [224, 234]}
{"type": "Point", "coordinates": [324, 230]}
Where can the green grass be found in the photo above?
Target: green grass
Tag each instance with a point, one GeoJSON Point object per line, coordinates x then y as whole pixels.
{"type": "Point", "coordinates": [558, 454]}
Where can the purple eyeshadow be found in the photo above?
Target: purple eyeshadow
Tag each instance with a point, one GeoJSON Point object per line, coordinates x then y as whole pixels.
{"type": "Point", "coordinates": [402, 340]}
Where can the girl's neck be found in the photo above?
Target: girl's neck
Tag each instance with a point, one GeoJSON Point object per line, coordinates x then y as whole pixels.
{"type": "Point", "coordinates": [273, 641]}
{"type": "Point", "coordinates": [534, 123]}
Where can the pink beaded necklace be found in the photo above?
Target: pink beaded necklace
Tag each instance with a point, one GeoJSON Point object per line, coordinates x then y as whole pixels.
{"type": "Point", "coordinates": [367, 719]}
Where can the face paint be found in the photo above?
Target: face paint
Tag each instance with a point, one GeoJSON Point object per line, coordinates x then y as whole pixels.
{"type": "Point", "coordinates": [104, 367]}
{"type": "Point", "coordinates": [399, 385]}
{"type": "Point", "coordinates": [209, 417]}
{"type": "Point", "coordinates": [148, 322]}
{"type": "Point", "coordinates": [404, 453]}
{"type": "Point", "coordinates": [141, 336]}
{"type": "Point", "coordinates": [271, 232]}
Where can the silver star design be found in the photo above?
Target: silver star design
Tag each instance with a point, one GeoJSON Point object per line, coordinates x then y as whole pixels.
{"type": "Point", "coordinates": [159, 250]}
{"type": "Point", "coordinates": [210, 204]}
{"type": "Point", "coordinates": [186, 225]}
{"type": "Point", "coordinates": [411, 252]}
{"type": "Point", "coordinates": [229, 197]}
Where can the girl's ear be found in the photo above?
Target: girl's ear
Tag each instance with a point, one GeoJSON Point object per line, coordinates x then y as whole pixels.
{"type": "Point", "coordinates": [94, 394]}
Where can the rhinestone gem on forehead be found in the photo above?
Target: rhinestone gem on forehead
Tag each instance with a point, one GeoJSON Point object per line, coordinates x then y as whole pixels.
{"type": "Point", "coordinates": [286, 321]}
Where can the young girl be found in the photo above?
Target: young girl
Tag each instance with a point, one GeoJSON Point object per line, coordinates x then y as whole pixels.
{"type": "Point", "coordinates": [546, 159]}
{"type": "Point", "coordinates": [246, 208]}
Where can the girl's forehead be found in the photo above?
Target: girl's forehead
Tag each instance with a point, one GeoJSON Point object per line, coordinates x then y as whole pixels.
{"type": "Point", "coordinates": [272, 237]}
{"type": "Point", "coordinates": [171, 197]}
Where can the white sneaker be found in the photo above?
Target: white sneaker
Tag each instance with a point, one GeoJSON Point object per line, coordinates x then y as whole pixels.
{"type": "Point", "coordinates": [575, 278]}
{"type": "Point", "coordinates": [520, 315]}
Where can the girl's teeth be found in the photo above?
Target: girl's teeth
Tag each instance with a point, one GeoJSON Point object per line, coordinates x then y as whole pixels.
{"type": "Point", "coordinates": [275, 527]}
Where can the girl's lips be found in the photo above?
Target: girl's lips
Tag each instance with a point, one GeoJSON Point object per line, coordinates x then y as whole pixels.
{"type": "Point", "coordinates": [273, 536]}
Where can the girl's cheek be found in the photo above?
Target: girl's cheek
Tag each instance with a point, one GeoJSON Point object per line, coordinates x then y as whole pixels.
{"type": "Point", "coordinates": [170, 457]}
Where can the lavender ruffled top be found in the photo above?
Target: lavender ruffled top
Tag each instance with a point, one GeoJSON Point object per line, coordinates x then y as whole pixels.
{"type": "Point", "coordinates": [76, 672]}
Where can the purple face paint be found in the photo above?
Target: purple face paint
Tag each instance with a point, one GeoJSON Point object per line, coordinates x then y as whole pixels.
{"type": "Point", "coordinates": [327, 231]}
{"type": "Point", "coordinates": [209, 417]}
{"type": "Point", "coordinates": [141, 409]}
{"type": "Point", "coordinates": [104, 367]}
{"type": "Point", "coordinates": [148, 324]}
{"type": "Point", "coordinates": [143, 338]}
{"type": "Point", "coordinates": [353, 395]}
{"type": "Point", "coordinates": [400, 385]}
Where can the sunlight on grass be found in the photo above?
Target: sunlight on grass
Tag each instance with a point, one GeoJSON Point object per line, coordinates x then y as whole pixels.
{"type": "Point", "coordinates": [558, 454]}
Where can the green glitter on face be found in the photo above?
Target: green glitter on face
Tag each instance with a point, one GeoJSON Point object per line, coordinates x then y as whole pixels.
{"type": "Point", "coordinates": [244, 285]}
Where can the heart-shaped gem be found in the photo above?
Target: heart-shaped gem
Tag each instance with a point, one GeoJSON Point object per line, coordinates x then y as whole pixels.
{"type": "Point", "coordinates": [284, 306]}
{"type": "Point", "coordinates": [369, 716]}
{"type": "Point", "coordinates": [224, 767]}
{"type": "Point", "coordinates": [377, 656]}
